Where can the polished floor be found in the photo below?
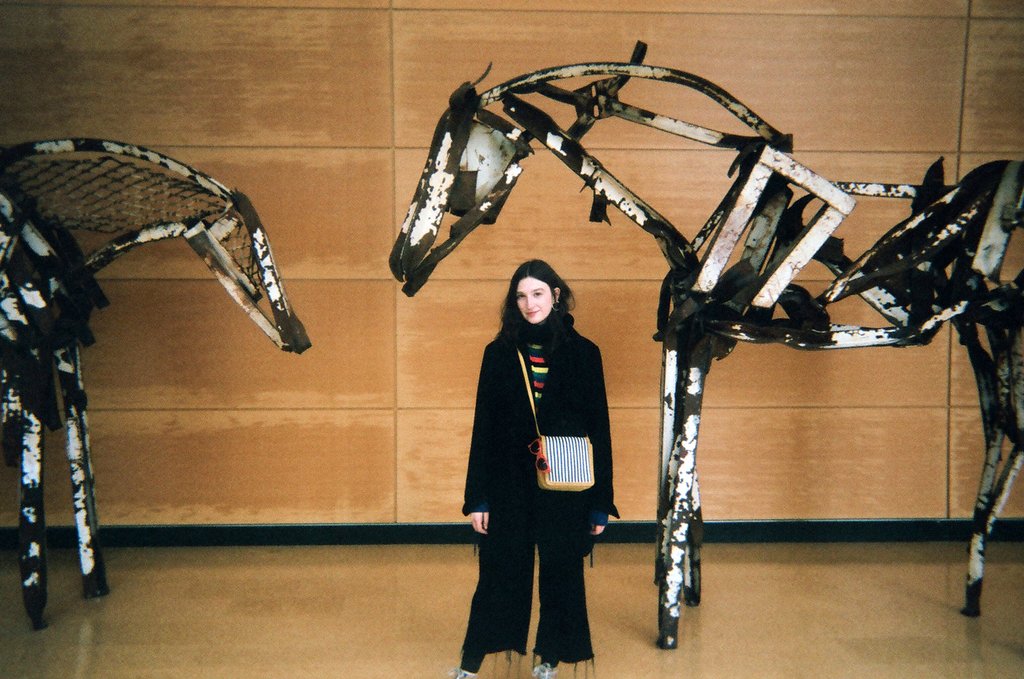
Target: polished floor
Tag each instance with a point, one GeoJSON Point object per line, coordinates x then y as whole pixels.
{"type": "Point", "coordinates": [781, 610]}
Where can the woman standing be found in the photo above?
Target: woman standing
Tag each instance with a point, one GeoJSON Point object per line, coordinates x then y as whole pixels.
{"type": "Point", "coordinates": [509, 510]}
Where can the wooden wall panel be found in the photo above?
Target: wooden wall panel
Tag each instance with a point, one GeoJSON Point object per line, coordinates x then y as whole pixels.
{"type": "Point", "coordinates": [966, 456]}
{"type": "Point", "coordinates": [833, 463]}
{"type": "Point", "coordinates": [228, 467]}
{"type": "Point", "coordinates": [336, 4]}
{"type": "Point", "coordinates": [445, 321]}
{"type": "Point", "coordinates": [636, 450]}
{"type": "Point", "coordinates": [1006, 9]}
{"type": "Point", "coordinates": [994, 88]}
{"type": "Point", "coordinates": [433, 446]}
{"type": "Point", "coordinates": [772, 63]}
{"type": "Point", "coordinates": [185, 344]}
{"type": "Point", "coordinates": [179, 76]}
{"type": "Point", "coordinates": [823, 7]}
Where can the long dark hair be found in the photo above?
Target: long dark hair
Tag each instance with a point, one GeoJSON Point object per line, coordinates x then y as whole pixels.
{"type": "Point", "coordinates": [559, 320]}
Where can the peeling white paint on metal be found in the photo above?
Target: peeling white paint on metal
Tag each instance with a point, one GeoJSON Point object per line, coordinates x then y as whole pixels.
{"type": "Point", "coordinates": [74, 444]}
{"type": "Point", "coordinates": [6, 210]}
{"type": "Point", "coordinates": [86, 558]}
{"type": "Point", "coordinates": [155, 233]}
{"type": "Point", "coordinates": [54, 146]}
{"type": "Point", "coordinates": [728, 235]}
{"type": "Point", "coordinates": [943, 316]}
{"type": "Point", "coordinates": [12, 310]}
{"type": "Point", "coordinates": [12, 400]}
{"type": "Point", "coordinates": [878, 190]}
{"type": "Point", "coordinates": [29, 513]}
{"type": "Point", "coordinates": [976, 560]}
{"type": "Point", "coordinates": [428, 218]}
{"type": "Point", "coordinates": [735, 107]}
{"type": "Point", "coordinates": [31, 581]}
{"type": "Point", "coordinates": [554, 142]}
{"type": "Point", "coordinates": [674, 575]}
{"type": "Point", "coordinates": [799, 255]}
{"type": "Point", "coordinates": [668, 412]}
{"type": "Point", "coordinates": [995, 235]}
{"type": "Point", "coordinates": [35, 241]}
{"type": "Point", "coordinates": [680, 128]}
{"type": "Point", "coordinates": [208, 183]}
{"type": "Point", "coordinates": [271, 281]}
{"type": "Point", "coordinates": [587, 167]}
{"type": "Point", "coordinates": [864, 337]}
{"type": "Point", "coordinates": [34, 550]}
{"type": "Point", "coordinates": [617, 194]}
{"type": "Point", "coordinates": [885, 303]}
{"type": "Point", "coordinates": [31, 296]}
{"type": "Point", "coordinates": [63, 361]}
{"type": "Point", "coordinates": [805, 177]}
{"type": "Point", "coordinates": [223, 227]}
{"type": "Point", "coordinates": [694, 382]}
{"type": "Point", "coordinates": [690, 428]}
{"type": "Point", "coordinates": [513, 171]}
{"type": "Point", "coordinates": [487, 153]}
{"type": "Point", "coordinates": [163, 161]}
{"type": "Point", "coordinates": [31, 452]}
{"type": "Point", "coordinates": [7, 330]}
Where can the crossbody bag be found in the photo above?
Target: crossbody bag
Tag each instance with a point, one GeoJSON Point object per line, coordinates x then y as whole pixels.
{"type": "Point", "coordinates": [563, 463]}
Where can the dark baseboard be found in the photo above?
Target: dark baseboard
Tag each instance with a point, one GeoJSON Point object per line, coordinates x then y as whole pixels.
{"type": "Point", "coordinates": [622, 532]}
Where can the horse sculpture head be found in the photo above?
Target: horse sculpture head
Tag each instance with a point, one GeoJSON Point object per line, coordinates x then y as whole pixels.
{"type": "Point", "coordinates": [475, 154]}
{"type": "Point", "coordinates": [64, 192]}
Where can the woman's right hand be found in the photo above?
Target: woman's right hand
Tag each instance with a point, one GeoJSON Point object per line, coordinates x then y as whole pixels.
{"type": "Point", "coordinates": [480, 521]}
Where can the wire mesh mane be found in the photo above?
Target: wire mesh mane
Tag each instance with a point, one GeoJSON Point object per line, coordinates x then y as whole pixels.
{"type": "Point", "coordinates": [121, 195]}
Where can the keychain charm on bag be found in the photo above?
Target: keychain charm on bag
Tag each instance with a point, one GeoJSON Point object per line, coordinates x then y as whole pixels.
{"type": "Point", "coordinates": [564, 463]}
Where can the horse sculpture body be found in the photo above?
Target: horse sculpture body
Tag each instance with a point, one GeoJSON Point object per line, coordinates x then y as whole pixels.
{"type": "Point", "coordinates": [51, 193]}
{"type": "Point", "coordinates": [734, 280]}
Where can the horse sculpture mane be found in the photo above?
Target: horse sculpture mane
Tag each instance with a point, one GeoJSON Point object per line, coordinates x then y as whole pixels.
{"type": "Point", "coordinates": [53, 194]}
{"type": "Point", "coordinates": [733, 281]}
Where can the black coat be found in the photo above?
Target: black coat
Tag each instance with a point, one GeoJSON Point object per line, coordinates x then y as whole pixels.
{"type": "Point", "coordinates": [501, 470]}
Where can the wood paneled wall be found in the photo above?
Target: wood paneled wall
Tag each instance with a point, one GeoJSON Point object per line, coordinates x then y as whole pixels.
{"type": "Point", "coordinates": [322, 113]}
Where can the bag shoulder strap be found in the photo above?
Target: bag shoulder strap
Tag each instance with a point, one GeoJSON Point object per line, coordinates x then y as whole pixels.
{"type": "Point", "coordinates": [529, 391]}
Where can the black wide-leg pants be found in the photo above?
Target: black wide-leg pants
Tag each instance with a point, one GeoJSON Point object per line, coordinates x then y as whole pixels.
{"type": "Point", "coordinates": [557, 525]}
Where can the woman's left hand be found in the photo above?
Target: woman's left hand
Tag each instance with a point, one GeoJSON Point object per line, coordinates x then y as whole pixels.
{"type": "Point", "coordinates": [596, 530]}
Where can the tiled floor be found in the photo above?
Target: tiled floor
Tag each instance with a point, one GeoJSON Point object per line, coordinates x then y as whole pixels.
{"type": "Point", "coordinates": [780, 610]}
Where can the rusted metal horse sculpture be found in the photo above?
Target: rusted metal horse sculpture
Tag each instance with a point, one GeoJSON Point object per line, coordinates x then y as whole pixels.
{"type": "Point", "coordinates": [54, 194]}
{"type": "Point", "coordinates": [734, 280]}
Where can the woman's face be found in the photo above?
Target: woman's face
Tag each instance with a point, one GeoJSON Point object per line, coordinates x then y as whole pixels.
{"type": "Point", "coordinates": [535, 299]}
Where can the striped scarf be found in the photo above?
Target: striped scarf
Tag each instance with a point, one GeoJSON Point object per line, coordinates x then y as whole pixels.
{"type": "Point", "coordinates": [538, 369]}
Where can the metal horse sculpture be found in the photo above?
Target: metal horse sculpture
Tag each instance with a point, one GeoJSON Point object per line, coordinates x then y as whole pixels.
{"type": "Point", "coordinates": [53, 196]}
{"type": "Point", "coordinates": [734, 280]}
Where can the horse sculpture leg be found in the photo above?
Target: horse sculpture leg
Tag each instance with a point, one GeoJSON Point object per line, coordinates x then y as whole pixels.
{"type": "Point", "coordinates": [682, 525]}
{"type": "Point", "coordinates": [32, 520]}
{"type": "Point", "coordinates": [1000, 381]}
{"type": "Point", "coordinates": [669, 463]}
{"type": "Point", "coordinates": [69, 370]}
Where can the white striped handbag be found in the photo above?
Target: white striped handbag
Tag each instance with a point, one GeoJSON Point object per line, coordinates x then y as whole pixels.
{"type": "Point", "coordinates": [563, 462]}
